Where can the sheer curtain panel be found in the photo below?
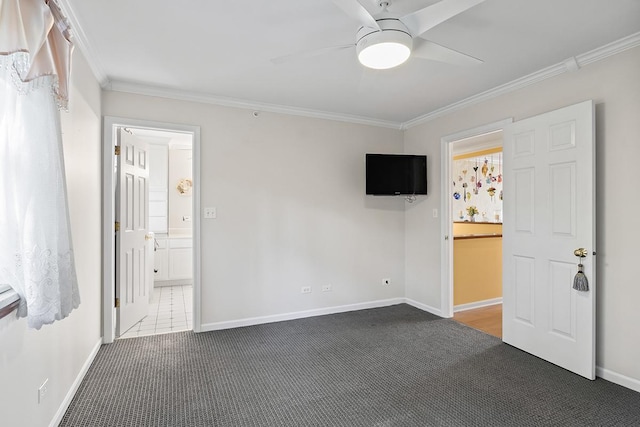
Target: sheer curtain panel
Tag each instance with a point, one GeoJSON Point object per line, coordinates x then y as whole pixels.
{"type": "Point", "coordinates": [36, 254]}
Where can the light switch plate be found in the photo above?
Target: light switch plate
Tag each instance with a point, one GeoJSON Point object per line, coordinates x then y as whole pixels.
{"type": "Point", "coordinates": [210, 213]}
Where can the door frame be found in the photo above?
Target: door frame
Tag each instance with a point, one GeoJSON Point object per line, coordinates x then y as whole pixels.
{"type": "Point", "coordinates": [110, 124]}
{"type": "Point", "coordinates": [446, 249]}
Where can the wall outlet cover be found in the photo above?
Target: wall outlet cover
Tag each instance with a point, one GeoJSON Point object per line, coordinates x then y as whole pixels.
{"type": "Point", "coordinates": [42, 390]}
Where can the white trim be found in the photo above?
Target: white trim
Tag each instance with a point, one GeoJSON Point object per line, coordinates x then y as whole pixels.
{"type": "Point", "coordinates": [108, 266]}
{"type": "Point", "coordinates": [424, 307]}
{"type": "Point", "coordinates": [446, 233]}
{"type": "Point", "coordinates": [80, 39]}
{"type": "Point", "coordinates": [57, 418]}
{"type": "Point", "coordinates": [617, 378]}
{"type": "Point", "coordinates": [613, 48]}
{"type": "Point", "coordinates": [169, 283]}
{"type": "Point", "coordinates": [108, 243]}
{"type": "Point", "coordinates": [251, 321]}
{"type": "Point", "coordinates": [477, 304]}
{"type": "Point", "coordinates": [446, 254]}
{"type": "Point", "coordinates": [514, 85]}
{"type": "Point", "coordinates": [594, 55]}
{"type": "Point", "coordinates": [149, 90]}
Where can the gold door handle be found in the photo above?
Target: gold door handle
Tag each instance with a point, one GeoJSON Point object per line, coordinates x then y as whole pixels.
{"type": "Point", "coordinates": [148, 237]}
{"type": "Point", "coordinates": [580, 252]}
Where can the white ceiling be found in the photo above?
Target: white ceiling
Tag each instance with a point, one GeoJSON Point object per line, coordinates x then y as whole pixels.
{"type": "Point", "coordinates": [221, 51]}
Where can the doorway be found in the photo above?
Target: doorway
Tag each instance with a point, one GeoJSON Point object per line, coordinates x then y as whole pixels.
{"type": "Point", "coordinates": [170, 227]}
{"type": "Point", "coordinates": [477, 182]}
{"type": "Point", "coordinates": [468, 141]}
{"type": "Point", "coordinates": [179, 232]}
{"type": "Point", "coordinates": [549, 221]}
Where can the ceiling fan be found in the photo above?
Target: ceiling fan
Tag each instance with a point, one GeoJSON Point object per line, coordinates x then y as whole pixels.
{"type": "Point", "coordinates": [385, 40]}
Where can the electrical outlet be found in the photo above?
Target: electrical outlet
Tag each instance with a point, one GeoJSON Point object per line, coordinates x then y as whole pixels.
{"type": "Point", "coordinates": [386, 282]}
{"type": "Point", "coordinates": [42, 391]}
{"type": "Point", "coordinates": [305, 290]}
{"type": "Point", "coordinates": [210, 213]}
{"type": "Point", "coordinates": [327, 288]}
{"type": "Point", "coordinates": [435, 213]}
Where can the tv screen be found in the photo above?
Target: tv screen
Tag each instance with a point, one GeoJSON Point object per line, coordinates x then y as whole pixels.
{"type": "Point", "coordinates": [396, 174]}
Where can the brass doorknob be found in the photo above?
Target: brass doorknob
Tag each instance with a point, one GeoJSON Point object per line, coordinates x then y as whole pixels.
{"type": "Point", "coordinates": [580, 252]}
{"type": "Point", "coordinates": [148, 237]}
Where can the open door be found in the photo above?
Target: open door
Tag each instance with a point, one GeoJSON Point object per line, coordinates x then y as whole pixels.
{"type": "Point", "coordinates": [549, 211]}
{"type": "Point", "coordinates": [133, 262]}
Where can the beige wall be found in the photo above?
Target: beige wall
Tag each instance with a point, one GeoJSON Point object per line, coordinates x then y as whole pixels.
{"type": "Point", "coordinates": [59, 351]}
{"type": "Point", "coordinates": [614, 86]}
{"type": "Point", "coordinates": [291, 209]}
{"type": "Point", "coordinates": [179, 204]}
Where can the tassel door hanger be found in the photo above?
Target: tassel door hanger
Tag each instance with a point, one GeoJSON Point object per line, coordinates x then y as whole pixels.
{"type": "Point", "coordinates": [580, 282]}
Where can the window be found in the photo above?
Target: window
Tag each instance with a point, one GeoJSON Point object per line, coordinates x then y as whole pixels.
{"type": "Point", "coordinates": [9, 300]}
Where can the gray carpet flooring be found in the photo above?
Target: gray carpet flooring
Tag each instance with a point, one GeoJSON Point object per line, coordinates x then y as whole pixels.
{"type": "Point", "coordinates": [392, 366]}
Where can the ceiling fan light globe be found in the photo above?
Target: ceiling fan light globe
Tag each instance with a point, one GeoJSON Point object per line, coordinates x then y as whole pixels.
{"type": "Point", "coordinates": [383, 56]}
{"type": "Point", "coordinates": [384, 49]}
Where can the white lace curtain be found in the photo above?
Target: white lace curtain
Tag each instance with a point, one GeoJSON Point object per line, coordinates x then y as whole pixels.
{"type": "Point", "coordinates": [36, 255]}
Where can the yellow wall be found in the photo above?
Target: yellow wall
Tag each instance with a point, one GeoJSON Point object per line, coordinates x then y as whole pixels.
{"type": "Point", "coordinates": [477, 265]}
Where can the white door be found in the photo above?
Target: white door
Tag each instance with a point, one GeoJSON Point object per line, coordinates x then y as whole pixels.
{"type": "Point", "coordinates": [133, 262]}
{"type": "Point", "coordinates": [549, 211]}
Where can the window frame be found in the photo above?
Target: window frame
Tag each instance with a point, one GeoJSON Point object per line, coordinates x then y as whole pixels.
{"type": "Point", "coordinates": [9, 300]}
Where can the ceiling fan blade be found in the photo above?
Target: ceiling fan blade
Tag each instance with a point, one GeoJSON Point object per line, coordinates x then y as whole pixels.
{"type": "Point", "coordinates": [429, 50]}
{"type": "Point", "coordinates": [424, 19]}
{"type": "Point", "coordinates": [309, 53]}
{"type": "Point", "coordinates": [355, 10]}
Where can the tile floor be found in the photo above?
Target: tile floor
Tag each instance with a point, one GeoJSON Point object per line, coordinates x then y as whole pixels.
{"type": "Point", "coordinates": [170, 310]}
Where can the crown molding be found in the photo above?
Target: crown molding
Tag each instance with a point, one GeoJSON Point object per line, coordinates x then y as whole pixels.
{"type": "Point", "coordinates": [140, 89]}
{"type": "Point", "coordinates": [610, 49]}
{"type": "Point", "coordinates": [570, 65]}
{"type": "Point", "coordinates": [80, 40]}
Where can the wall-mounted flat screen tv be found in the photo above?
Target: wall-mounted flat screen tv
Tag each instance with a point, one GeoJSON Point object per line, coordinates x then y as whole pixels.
{"type": "Point", "coordinates": [396, 174]}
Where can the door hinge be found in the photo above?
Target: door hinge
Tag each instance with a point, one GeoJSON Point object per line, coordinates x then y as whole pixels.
{"type": "Point", "coordinates": [117, 302]}
{"type": "Point", "coordinates": [117, 150]}
{"type": "Point", "coordinates": [117, 226]}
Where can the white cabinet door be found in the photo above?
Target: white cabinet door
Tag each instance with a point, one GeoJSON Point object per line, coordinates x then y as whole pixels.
{"type": "Point", "coordinates": [180, 263]}
{"type": "Point", "coordinates": [161, 265]}
{"type": "Point", "coordinates": [549, 211]}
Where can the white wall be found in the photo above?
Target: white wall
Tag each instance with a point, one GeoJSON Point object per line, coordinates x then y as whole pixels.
{"type": "Point", "coordinates": [180, 205]}
{"type": "Point", "coordinates": [291, 209]}
{"type": "Point", "coordinates": [59, 351]}
{"type": "Point", "coordinates": [614, 85]}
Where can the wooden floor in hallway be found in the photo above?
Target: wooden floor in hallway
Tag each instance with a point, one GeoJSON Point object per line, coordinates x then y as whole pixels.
{"type": "Point", "coordinates": [486, 319]}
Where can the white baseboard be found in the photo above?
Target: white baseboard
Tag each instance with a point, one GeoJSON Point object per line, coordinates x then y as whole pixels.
{"type": "Point", "coordinates": [164, 283]}
{"type": "Point", "coordinates": [477, 304]}
{"type": "Point", "coordinates": [299, 314]}
{"type": "Point", "coordinates": [74, 387]}
{"type": "Point", "coordinates": [617, 378]}
{"type": "Point", "coordinates": [424, 307]}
